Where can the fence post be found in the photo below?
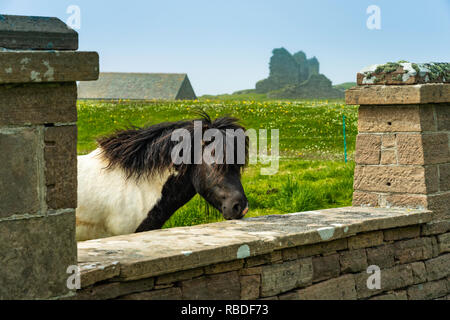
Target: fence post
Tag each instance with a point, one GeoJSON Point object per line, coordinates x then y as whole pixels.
{"type": "Point", "coordinates": [38, 154]}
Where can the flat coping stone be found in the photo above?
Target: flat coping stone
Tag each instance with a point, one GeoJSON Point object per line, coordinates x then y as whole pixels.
{"type": "Point", "coordinates": [36, 33]}
{"type": "Point", "coordinates": [48, 66]}
{"type": "Point", "coordinates": [153, 253]}
{"type": "Point", "coordinates": [398, 94]}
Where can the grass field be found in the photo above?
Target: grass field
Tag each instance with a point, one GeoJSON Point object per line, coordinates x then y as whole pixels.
{"type": "Point", "coordinates": [312, 173]}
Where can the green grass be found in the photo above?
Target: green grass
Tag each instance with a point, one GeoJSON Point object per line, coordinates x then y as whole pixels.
{"type": "Point", "coordinates": [312, 174]}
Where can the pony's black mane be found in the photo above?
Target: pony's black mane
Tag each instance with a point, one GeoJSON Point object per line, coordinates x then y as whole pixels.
{"type": "Point", "coordinates": [145, 151]}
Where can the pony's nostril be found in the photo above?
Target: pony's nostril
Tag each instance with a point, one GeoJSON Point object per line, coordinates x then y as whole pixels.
{"type": "Point", "coordinates": [237, 208]}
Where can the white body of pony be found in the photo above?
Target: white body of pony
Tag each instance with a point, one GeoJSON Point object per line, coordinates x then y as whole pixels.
{"type": "Point", "coordinates": [109, 203]}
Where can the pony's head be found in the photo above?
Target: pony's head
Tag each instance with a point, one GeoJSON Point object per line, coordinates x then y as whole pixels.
{"type": "Point", "coordinates": [205, 155]}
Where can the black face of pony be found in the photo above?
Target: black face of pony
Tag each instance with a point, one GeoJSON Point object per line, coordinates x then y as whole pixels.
{"type": "Point", "coordinates": [222, 189]}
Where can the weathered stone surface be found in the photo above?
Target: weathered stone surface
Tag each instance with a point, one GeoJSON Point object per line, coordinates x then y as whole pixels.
{"type": "Point", "coordinates": [19, 183]}
{"type": "Point", "coordinates": [38, 103]}
{"type": "Point", "coordinates": [95, 272]}
{"type": "Point", "coordinates": [179, 276]}
{"type": "Point", "coordinates": [413, 250]}
{"type": "Point", "coordinates": [164, 294]}
{"type": "Point", "coordinates": [48, 66]}
{"type": "Point", "coordinates": [368, 149]}
{"type": "Point", "coordinates": [250, 271]}
{"type": "Point", "coordinates": [364, 240]}
{"type": "Point", "coordinates": [36, 33]}
{"type": "Point", "coordinates": [438, 203]}
{"type": "Point", "coordinates": [35, 255]}
{"type": "Point", "coordinates": [113, 290]}
{"type": "Point", "coordinates": [289, 254]}
{"type": "Point", "coordinates": [407, 179]}
{"type": "Point", "coordinates": [444, 177]}
{"type": "Point", "coordinates": [388, 141]}
{"type": "Point", "coordinates": [382, 256]}
{"type": "Point", "coordinates": [342, 288]}
{"type": "Point", "coordinates": [60, 155]}
{"type": "Point", "coordinates": [365, 199]}
{"type": "Point", "coordinates": [353, 261]}
{"type": "Point", "coordinates": [264, 259]}
{"type": "Point", "coordinates": [322, 248]}
{"type": "Point", "coordinates": [422, 149]}
{"type": "Point", "coordinates": [438, 268]}
{"type": "Point", "coordinates": [402, 233]}
{"type": "Point", "coordinates": [392, 94]}
{"type": "Point", "coordinates": [278, 278]}
{"type": "Point", "coordinates": [394, 295]}
{"type": "Point", "coordinates": [388, 157]}
{"type": "Point", "coordinates": [444, 242]}
{"type": "Point", "coordinates": [443, 116]}
{"type": "Point", "coordinates": [250, 286]}
{"type": "Point", "coordinates": [428, 290]}
{"type": "Point", "coordinates": [224, 286]}
{"type": "Point", "coordinates": [419, 272]}
{"type": "Point", "coordinates": [385, 119]}
{"type": "Point", "coordinates": [394, 278]}
{"type": "Point", "coordinates": [326, 267]}
{"type": "Point", "coordinates": [435, 227]}
{"type": "Point", "coordinates": [414, 201]}
{"type": "Point", "coordinates": [159, 252]}
{"type": "Point", "coordinates": [224, 267]}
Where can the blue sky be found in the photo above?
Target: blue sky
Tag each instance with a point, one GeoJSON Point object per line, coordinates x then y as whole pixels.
{"type": "Point", "coordinates": [225, 46]}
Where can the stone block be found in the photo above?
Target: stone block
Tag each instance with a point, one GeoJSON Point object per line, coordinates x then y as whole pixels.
{"type": "Point", "coordinates": [39, 103]}
{"type": "Point", "coordinates": [36, 33]}
{"type": "Point", "coordinates": [35, 256]}
{"type": "Point", "coordinates": [278, 278]}
{"type": "Point", "coordinates": [224, 267]}
{"type": "Point", "coordinates": [406, 179]}
{"type": "Point", "coordinates": [438, 203]}
{"type": "Point", "coordinates": [444, 177]}
{"type": "Point", "coordinates": [322, 248]}
{"type": "Point", "coordinates": [413, 250]}
{"type": "Point", "coordinates": [382, 256]}
{"type": "Point", "coordinates": [435, 227]}
{"type": "Point", "coordinates": [428, 290]}
{"type": "Point", "coordinates": [179, 276]}
{"type": "Point", "coordinates": [326, 267]}
{"type": "Point", "coordinates": [365, 199]}
{"type": "Point", "coordinates": [272, 257]}
{"type": "Point", "coordinates": [224, 286]}
{"type": "Point", "coordinates": [364, 240]}
{"type": "Point", "coordinates": [443, 116]}
{"type": "Point", "coordinates": [388, 157]}
{"type": "Point", "coordinates": [60, 155]}
{"type": "Point", "coordinates": [386, 119]}
{"type": "Point", "coordinates": [444, 242]}
{"type": "Point", "coordinates": [438, 268]}
{"type": "Point", "coordinates": [419, 272]}
{"type": "Point", "coordinates": [48, 66]}
{"type": "Point", "coordinates": [398, 94]}
{"type": "Point", "coordinates": [98, 271]}
{"type": "Point", "coordinates": [342, 288]}
{"type": "Point", "coordinates": [250, 287]}
{"type": "Point", "coordinates": [414, 201]}
{"type": "Point", "coordinates": [422, 149]}
{"type": "Point", "coordinates": [19, 183]}
{"type": "Point", "coordinates": [388, 140]}
{"type": "Point", "coordinates": [353, 261]}
{"type": "Point", "coordinates": [402, 233]}
{"type": "Point", "coordinates": [368, 149]}
{"type": "Point", "coordinates": [391, 279]}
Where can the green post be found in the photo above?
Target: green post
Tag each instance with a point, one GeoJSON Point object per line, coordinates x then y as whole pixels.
{"type": "Point", "coordinates": [345, 140]}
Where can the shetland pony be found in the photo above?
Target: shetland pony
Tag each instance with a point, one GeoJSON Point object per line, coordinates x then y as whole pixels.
{"type": "Point", "coordinates": [131, 184]}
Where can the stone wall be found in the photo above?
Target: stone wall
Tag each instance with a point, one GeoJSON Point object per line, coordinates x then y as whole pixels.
{"type": "Point", "coordinates": [38, 171]}
{"type": "Point", "coordinates": [313, 255]}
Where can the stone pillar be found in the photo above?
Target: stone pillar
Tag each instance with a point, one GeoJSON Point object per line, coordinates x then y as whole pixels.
{"type": "Point", "coordinates": [402, 148]}
{"type": "Point", "coordinates": [38, 154]}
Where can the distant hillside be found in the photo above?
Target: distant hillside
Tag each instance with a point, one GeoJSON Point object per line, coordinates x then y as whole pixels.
{"type": "Point", "coordinates": [344, 86]}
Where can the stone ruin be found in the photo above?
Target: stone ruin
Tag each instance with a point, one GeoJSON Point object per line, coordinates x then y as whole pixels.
{"type": "Point", "coordinates": [295, 76]}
